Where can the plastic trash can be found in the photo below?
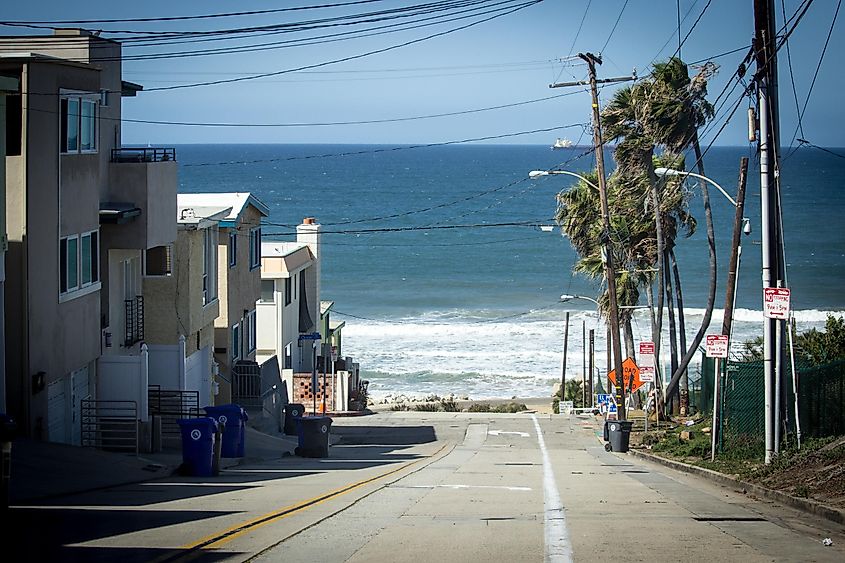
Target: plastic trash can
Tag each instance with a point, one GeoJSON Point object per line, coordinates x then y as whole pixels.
{"type": "Point", "coordinates": [292, 412]}
{"type": "Point", "coordinates": [233, 418]}
{"type": "Point", "coordinates": [198, 445]}
{"type": "Point", "coordinates": [314, 432]}
{"type": "Point", "coordinates": [7, 433]}
{"type": "Point", "coordinates": [619, 434]}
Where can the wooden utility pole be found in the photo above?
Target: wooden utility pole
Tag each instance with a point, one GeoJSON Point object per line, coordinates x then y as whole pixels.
{"type": "Point", "coordinates": [614, 342]}
{"type": "Point", "coordinates": [610, 272]}
{"type": "Point", "coordinates": [563, 366]}
{"type": "Point", "coordinates": [736, 248]}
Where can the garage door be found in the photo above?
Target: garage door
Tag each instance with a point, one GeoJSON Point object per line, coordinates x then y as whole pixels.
{"type": "Point", "coordinates": [57, 408]}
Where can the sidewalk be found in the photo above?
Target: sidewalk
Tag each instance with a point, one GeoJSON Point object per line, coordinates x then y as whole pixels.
{"type": "Point", "coordinates": [42, 470]}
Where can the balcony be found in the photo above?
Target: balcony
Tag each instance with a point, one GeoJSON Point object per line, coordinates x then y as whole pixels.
{"type": "Point", "coordinates": [138, 209]}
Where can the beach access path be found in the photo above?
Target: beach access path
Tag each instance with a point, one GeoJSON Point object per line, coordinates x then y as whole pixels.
{"type": "Point", "coordinates": [419, 486]}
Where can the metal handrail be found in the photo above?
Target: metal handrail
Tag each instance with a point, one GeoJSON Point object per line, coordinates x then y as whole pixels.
{"type": "Point", "coordinates": [110, 425]}
{"type": "Point", "coordinates": [143, 154]}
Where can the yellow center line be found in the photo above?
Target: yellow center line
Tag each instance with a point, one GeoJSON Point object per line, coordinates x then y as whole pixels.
{"type": "Point", "coordinates": [218, 539]}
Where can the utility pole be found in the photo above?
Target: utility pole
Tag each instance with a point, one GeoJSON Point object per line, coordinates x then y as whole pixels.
{"type": "Point", "coordinates": [614, 342]}
{"type": "Point", "coordinates": [584, 362]}
{"type": "Point", "coordinates": [766, 77]}
{"type": "Point", "coordinates": [563, 366]}
{"type": "Point", "coordinates": [730, 298]}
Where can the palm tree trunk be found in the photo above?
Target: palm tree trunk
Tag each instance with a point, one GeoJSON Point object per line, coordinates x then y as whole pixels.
{"type": "Point", "coordinates": [682, 332]}
{"type": "Point", "coordinates": [657, 317]}
{"type": "Point", "coordinates": [671, 398]}
{"type": "Point", "coordinates": [711, 295]}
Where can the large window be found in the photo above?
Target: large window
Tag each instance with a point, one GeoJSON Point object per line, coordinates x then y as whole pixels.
{"type": "Point", "coordinates": [233, 248]}
{"type": "Point", "coordinates": [209, 265]}
{"type": "Point", "coordinates": [79, 264]}
{"type": "Point", "coordinates": [254, 248]}
{"type": "Point", "coordinates": [236, 341]}
{"type": "Point", "coordinates": [251, 327]}
{"type": "Point", "coordinates": [78, 123]}
{"type": "Point", "coordinates": [288, 291]}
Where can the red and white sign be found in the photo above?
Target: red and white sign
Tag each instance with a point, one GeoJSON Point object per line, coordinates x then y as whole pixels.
{"type": "Point", "coordinates": [776, 302]}
{"type": "Point", "coordinates": [646, 362]}
{"type": "Point", "coordinates": [717, 346]}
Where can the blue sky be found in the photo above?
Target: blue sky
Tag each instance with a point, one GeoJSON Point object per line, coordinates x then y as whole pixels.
{"type": "Point", "coordinates": [503, 62]}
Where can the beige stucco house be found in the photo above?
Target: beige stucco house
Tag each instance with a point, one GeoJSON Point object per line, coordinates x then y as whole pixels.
{"type": "Point", "coordinates": [182, 302]}
{"type": "Point", "coordinates": [82, 212]}
{"type": "Point", "coordinates": [238, 280]}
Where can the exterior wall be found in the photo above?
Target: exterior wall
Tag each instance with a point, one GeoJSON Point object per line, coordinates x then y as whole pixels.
{"type": "Point", "coordinates": [173, 304]}
{"type": "Point", "coordinates": [238, 288]}
{"type": "Point", "coordinates": [49, 195]}
{"type": "Point", "coordinates": [152, 188]}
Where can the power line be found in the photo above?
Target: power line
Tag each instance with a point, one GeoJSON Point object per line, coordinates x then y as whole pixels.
{"type": "Point", "coordinates": [534, 223]}
{"type": "Point", "coordinates": [613, 29]}
{"type": "Point", "coordinates": [580, 26]}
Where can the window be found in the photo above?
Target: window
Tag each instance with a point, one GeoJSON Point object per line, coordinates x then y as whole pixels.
{"type": "Point", "coordinates": [209, 265]}
{"type": "Point", "coordinates": [251, 327]}
{"type": "Point", "coordinates": [159, 261]}
{"type": "Point", "coordinates": [233, 248]}
{"type": "Point", "coordinates": [78, 124]}
{"type": "Point", "coordinates": [288, 356]}
{"type": "Point", "coordinates": [288, 291]}
{"type": "Point", "coordinates": [236, 341]}
{"type": "Point", "coordinates": [79, 262]}
{"type": "Point", "coordinates": [268, 289]}
{"type": "Point", "coordinates": [254, 248]}
{"type": "Point", "coordinates": [88, 258]}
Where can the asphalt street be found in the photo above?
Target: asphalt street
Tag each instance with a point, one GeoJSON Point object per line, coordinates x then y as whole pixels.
{"type": "Point", "coordinates": [403, 486]}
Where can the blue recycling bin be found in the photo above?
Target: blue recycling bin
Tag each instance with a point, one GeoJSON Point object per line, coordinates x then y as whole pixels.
{"type": "Point", "coordinates": [198, 445]}
{"type": "Point", "coordinates": [233, 418]}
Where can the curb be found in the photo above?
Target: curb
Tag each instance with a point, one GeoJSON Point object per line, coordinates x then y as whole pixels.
{"type": "Point", "coordinates": [806, 505]}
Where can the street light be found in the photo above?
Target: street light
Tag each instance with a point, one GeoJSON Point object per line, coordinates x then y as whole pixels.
{"type": "Point", "coordinates": [537, 173]}
{"type": "Point", "coordinates": [740, 223]}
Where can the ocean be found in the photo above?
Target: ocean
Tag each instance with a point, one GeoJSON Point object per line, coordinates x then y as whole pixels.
{"type": "Point", "coordinates": [445, 287]}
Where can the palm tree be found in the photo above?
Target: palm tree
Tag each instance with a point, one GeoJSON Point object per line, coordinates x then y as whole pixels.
{"type": "Point", "coordinates": [665, 110]}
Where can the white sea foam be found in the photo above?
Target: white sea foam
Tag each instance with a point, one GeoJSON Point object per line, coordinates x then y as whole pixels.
{"type": "Point", "coordinates": [456, 352]}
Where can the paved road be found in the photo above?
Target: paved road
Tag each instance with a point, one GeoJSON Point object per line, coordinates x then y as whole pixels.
{"type": "Point", "coordinates": [430, 487]}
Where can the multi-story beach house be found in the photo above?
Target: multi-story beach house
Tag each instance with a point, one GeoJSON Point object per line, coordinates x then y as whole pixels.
{"type": "Point", "coordinates": [182, 303]}
{"type": "Point", "coordinates": [238, 281]}
{"type": "Point", "coordinates": [294, 325]}
{"type": "Point", "coordinates": [83, 213]}
{"type": "Point", "coordinates": [289, 299]}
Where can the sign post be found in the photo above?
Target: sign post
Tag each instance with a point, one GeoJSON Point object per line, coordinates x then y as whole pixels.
{"type": "Point", "coordinates": [630, 381]}
{"type": "Point", "coordinates": [716, 347]}
{"type": "Point", "coordinates": [647, 371]}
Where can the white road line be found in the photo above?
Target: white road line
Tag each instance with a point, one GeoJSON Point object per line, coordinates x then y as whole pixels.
{"type": "Point", "coordinates": [558, 547]}
{"type": "Point", "coordinates": [502, 432]}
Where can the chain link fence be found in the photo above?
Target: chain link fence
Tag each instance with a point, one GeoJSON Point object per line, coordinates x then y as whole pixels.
{"type": "Point", "coordinates": [821, 403]}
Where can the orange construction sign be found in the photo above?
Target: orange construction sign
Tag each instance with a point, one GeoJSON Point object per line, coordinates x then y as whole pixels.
{"type": "Point", "coordinates": [631, 375]}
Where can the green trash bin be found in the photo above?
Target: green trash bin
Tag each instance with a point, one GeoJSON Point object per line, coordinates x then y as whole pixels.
{"type": "Point", "coordinates": [619, 434]}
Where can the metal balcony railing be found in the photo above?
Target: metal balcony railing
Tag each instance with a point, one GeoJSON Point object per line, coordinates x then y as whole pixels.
{"type": "Point", "coordinates": [134, 320]}
{"type": "Point", "coordinates": [143, 154]}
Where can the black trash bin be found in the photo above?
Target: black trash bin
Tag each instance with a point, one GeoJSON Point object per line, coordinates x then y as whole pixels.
{"type": "Point", "coordinates": [314, 432]}
{"type": "Point", "coordinates": [292, 412]}
{"type": "Point", "coordinates": [7, 432]}
{"type": "Point", "coordinates": [619, 434]}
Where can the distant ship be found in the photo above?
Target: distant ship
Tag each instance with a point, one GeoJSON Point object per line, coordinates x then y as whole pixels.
{"type": "Point", "coordinates": [562, 144]}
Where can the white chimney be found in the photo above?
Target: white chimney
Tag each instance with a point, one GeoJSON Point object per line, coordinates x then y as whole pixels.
{"type": "Point", "coordinates": [309, 233]}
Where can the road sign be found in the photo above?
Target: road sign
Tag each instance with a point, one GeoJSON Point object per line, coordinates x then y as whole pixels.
{"type": "Point", "coordinates": [716, 346]}
{"type": "Point", "coordinates": [776, 302]}
{"type": "Point", "coordinates": [630, 374]}
{"type": "Point", "coordinates": [646, 348]}
{"type": "Point", "coordinates": [310, 336]}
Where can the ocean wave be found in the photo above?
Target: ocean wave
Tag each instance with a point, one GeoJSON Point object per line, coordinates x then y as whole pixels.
{"type": "Point", "coordinates": [519, 356]}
